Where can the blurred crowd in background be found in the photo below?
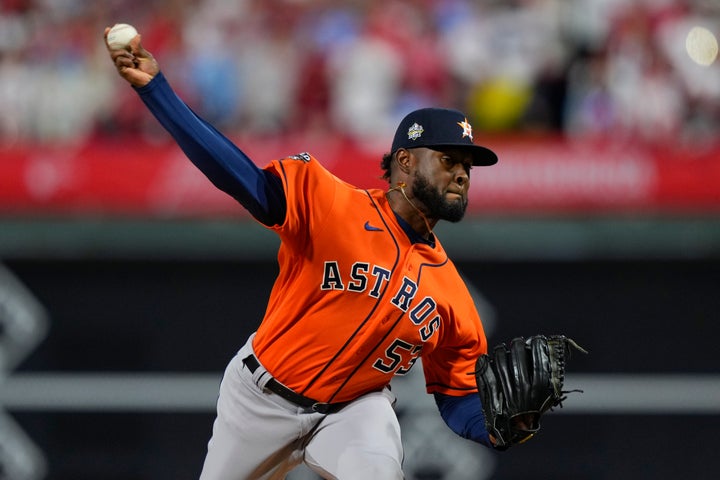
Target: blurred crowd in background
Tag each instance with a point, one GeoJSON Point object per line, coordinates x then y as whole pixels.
{"type": "Point", "coordinates": [610, 68]}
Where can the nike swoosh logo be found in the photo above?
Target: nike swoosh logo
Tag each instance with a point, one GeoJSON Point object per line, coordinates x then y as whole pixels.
{"type": "Point", "coordinates": [370, 228]}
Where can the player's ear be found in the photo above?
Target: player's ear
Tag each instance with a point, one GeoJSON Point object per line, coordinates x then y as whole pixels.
{"type": "Point", "coordinates": [403, 159]}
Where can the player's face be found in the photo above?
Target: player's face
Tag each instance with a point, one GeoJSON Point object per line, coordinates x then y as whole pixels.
{"type": "Point", "coordinates": [441, 182]}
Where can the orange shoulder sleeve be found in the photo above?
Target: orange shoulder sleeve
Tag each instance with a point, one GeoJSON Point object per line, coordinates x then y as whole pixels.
{"type": "Point", "coordinates": [310, 192]}
{"type": "Point", "coordinates": [450, 366]}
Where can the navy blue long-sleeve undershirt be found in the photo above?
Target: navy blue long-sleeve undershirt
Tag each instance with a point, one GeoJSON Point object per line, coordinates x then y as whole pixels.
{"type": "Point", "coordinates": [227, 167]}
{"type": "Point", "coordinates": [262, 194]}
{"type": "Point", "coordinates": [464, 416]}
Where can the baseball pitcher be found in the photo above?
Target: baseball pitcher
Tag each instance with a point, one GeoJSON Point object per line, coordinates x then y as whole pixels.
{"type": "Point", "coordinates": [364, 290]}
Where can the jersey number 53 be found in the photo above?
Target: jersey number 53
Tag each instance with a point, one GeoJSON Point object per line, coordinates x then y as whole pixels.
{"type": "Point", "coordinates": [400, 356]}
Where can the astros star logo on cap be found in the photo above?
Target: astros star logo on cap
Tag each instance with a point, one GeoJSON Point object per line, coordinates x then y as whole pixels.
{"type": "Point", "coordinates": [467, 129]}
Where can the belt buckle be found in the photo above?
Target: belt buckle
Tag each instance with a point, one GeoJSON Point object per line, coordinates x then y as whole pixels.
{"type": "Point", "coordinates": [320, 407]}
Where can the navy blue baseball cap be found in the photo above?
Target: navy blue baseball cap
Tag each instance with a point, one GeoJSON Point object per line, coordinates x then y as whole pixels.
{"type": "Point", "coordinates": [440, 127]}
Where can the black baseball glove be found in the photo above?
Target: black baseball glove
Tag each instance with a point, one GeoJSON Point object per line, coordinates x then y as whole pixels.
{"type": "Point", "coordinates": [518, 382]}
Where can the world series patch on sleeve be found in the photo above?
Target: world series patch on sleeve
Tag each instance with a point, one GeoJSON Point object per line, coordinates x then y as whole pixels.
{"type": "Point", "coordinates": [518, 382]}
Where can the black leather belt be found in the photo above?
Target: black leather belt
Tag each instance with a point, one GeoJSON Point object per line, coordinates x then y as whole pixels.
{"type": "Point", "coordinates": [301, 401]}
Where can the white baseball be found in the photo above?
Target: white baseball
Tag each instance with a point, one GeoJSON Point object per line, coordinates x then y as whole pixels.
{"type": "Point", "coordinates": [701, 45]}
{"type": "Point", "coordinates": [120, 35]}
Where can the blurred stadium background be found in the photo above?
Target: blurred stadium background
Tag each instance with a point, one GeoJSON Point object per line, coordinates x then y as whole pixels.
{"type": "Point", "coordinates": [127, 281]}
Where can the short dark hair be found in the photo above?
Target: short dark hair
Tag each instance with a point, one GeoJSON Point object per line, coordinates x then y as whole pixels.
{"type": "Point", "coordinates": [385, 165]}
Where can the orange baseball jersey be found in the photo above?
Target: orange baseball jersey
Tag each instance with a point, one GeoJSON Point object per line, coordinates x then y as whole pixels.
{"type": "Point", "coordinates": [356, 301]}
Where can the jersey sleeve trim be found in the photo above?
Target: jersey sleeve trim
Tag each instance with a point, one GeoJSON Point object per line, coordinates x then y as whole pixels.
{"type": "Point", "coordinates": [443, 388]}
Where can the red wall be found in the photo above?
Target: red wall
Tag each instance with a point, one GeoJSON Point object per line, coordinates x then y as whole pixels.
{"type": "Point", "coordinates": [537, 175]}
